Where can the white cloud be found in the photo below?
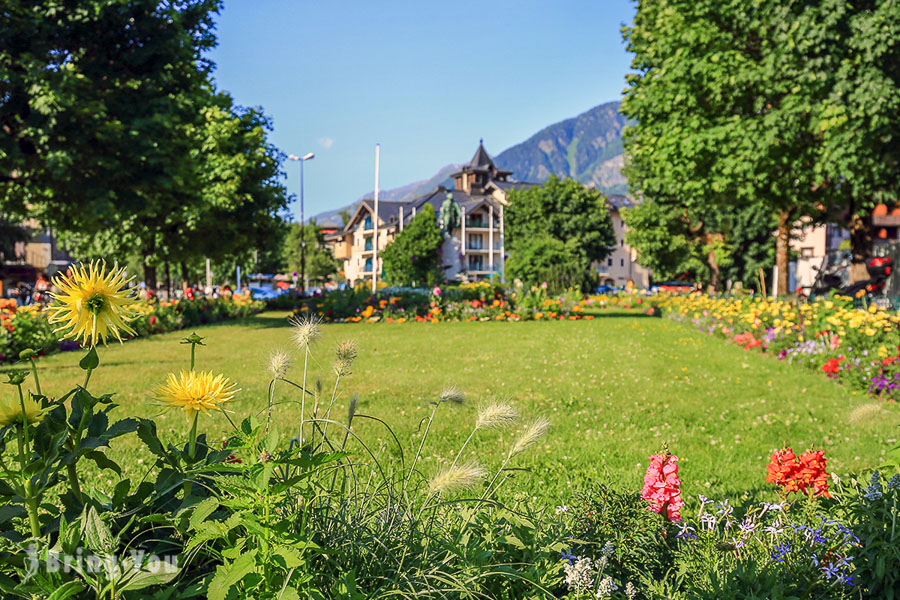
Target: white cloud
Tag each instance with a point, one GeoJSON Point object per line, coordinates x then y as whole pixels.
{"type": "Point", "coordinates": [326, 142]}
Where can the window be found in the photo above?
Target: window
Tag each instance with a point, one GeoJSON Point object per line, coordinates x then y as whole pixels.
{"type": "Point", "coordinates": [368, 245]}
{"type": "Point", "coordinates": [368, 264]}
{"type": "Point", "coordinates": [621, 262]}
{"type": "Point", "coordinates": [806, 252]}
{"type": "Point", "coordinates": [367, 223]}
{"type": "Point", "coordinates": [622, 242]}
{"type": "Point", "coordinates": [608, 262]}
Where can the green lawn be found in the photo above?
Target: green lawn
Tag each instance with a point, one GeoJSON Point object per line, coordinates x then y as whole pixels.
{"type": "Point", "coordinates": [615, 389]}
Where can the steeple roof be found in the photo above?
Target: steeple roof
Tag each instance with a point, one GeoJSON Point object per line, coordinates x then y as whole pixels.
{"type": "Point", "coordinates": [481, 160]}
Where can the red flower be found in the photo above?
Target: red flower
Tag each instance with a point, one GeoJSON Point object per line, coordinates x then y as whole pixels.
{"type": "Point", "coordinates": [833, 366]}
{"type": "Point", "coordinates": [662, 487]}
{"type": "Point", "coordinates": [807, 474]}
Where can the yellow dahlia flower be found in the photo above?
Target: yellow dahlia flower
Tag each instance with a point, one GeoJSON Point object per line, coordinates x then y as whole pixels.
{"type": "Point", "coordinates": [91, 303]}
{"type": "Point", "coordinates": [196, 392]}
{"type": "Point", "coordinates": [11, 411]}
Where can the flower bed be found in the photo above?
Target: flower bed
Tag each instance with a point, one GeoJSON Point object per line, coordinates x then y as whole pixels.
{"type": "Point", "coordinates": [23, 327]}
{"type": "Point", "coordinates": [858, 346]}
{"type": "Point", "coordinates": [466, 302]}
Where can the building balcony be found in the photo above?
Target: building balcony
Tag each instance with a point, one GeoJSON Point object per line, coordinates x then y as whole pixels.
{"type": "Point", "coordinates": [483, 249]}
{"type": "Point", "coordinates": [484, 272]}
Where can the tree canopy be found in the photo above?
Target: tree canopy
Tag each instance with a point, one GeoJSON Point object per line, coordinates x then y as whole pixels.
{"type": "Point", "coordinates": [112, 131]}
{"type": "Point", "coordinates": [413, 258]}
{"type": "Point", "coordinates": [740, 104]}
{"type": "Point", "coordinates": [563, 210]}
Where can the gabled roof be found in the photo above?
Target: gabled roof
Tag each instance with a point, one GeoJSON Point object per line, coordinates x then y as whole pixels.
{"type": "Point", "coordinates": [388, 212]}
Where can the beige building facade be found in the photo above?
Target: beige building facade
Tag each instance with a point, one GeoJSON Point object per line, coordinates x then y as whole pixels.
{"type": "Point", "coordinates": [471, 214]}
{"type": "Point", "coordinates": [622, 265]}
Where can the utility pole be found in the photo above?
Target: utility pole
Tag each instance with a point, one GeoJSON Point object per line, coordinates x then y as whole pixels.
{"type": "Point", "coordinates": [301, 160]}
{"type": "Point", "coordinates": [375, 224]}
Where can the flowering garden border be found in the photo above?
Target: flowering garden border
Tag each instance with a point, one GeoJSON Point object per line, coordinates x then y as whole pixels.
{"type": "Point", "coordinates": [29, 327]}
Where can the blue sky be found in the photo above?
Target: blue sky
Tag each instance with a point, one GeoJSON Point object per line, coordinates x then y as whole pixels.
{"type": "Point", "coordinates": [424, 79]}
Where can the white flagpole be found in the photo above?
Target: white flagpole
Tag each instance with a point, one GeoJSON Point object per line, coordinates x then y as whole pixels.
{"type": "Point", "coordinates": [375, 224]}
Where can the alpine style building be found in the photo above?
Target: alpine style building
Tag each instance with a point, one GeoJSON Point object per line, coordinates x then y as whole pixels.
{"type": "Point", "coordinates": [471, 216]}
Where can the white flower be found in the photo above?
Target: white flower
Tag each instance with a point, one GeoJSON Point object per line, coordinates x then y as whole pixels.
{"type": "Point", "coordinates": [630, 591]}
{"type": "Point", "coordinates": [579, 576]}
{"type": "Point", "coordinates": [562, 509]}
{"type": "Point", "coordinates": [606, 588]}
{"type": "Point", "coordinates": [608, 549]}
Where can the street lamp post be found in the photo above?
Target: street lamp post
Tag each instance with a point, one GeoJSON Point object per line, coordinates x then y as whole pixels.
{"type": "Point", "coordinates": [301, 160]}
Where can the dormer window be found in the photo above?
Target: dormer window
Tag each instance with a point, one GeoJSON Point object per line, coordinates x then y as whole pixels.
{"type": "Point", "coordinates": [367, 223]}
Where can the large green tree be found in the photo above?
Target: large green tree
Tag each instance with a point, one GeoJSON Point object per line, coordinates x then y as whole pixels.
{"type": "Point", "coordinates": [763, 103]}
{"type": "Point", "coordinates": [113, 132]}
{"type": "Point", "coordinates": [413, 258]}
{"type": "Point", "coordinates": [564, 210]}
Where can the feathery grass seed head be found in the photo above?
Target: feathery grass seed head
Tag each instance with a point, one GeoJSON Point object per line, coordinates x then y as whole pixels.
{"type": "Point", "coordinates": [351, 408]}
{"type": "Point", "coordinates": [452, 394]}
{"type": "Point", "coordinates": [865, 414]}
{"type": "Point", "coordinates": [496, 416]}
{"type": "Point", "coordinates": [279, 363]}
{"type": "Point", "coordinates": [457, 477]}
{"type": "Point", "coordinates": [533, 432]}
{"type": "Point", "coordinates": [306, 330]}
{"type": "Point", "coordinates": [345, 354]}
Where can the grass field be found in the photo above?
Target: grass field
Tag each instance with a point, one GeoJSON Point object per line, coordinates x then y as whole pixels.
{"type": "Point", "coordinates": [615, 389]}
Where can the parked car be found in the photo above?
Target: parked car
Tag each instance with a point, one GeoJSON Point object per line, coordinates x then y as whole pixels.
{"type": "Point", "coordinates": [606, 289]}
{"type": "Point", "coordinates": [265, 293]}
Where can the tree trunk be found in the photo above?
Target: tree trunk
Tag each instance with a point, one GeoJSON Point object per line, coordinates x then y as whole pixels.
{"type": "Point", "coordinates": [148, 253]}
{"type": "Point", "coordinates": [168, 282]}
{"type": "Point", "coordinates": [185, 276]}
{"type": "Point", "coordinates": [782, 252]}
{"type": "Point", "coordinates": [715, 273]}
{"type": "Point", "coordinates": [860, 246]}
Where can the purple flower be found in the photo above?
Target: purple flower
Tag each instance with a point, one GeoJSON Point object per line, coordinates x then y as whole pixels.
{"type": "Point", "coordinates": [780, 552]}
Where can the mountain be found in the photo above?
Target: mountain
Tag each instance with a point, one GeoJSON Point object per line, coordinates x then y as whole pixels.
{"type": "Point", "coordinates": [403, 193]}
{"type": "Point", "coordinates": [587, 148]}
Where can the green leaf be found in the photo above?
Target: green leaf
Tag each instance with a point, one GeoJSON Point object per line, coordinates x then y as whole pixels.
{"type": "Point", "coordinates": [289, 594]}
{"type": "Point", "coordinates": [66, 590]}
{"type": "Point", "coordinates": [202, 511]}
{"type": "Point", "coordinates": [146, 431]}
{"type": "Point", "coordinates": [290, 558]}
{"type": "Point", "coordinates": [97, 535]}
{"type": "Point", "coordinates": [227, 576]}
{"type": "Point", "coordinates": [103, 461]}
{"type": "Point", "coordinates": [90, 361]}
{"type": "Point", "coordinates": [10, 511]}
{"type": "Point", "coordinates": [153, 572]}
